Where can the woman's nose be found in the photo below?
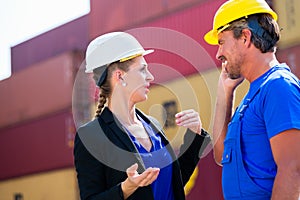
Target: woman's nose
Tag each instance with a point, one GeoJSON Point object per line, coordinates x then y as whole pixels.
{"type": "Point", "coordinates": [150, 76]}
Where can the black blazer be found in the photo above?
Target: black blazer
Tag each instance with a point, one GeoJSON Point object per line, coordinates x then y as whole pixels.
{"type": "Point", "coordinates": [103, 151]}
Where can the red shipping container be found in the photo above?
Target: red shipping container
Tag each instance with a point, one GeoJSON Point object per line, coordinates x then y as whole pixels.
{"type": "Point", "coordinates": [291, 56]}
{"type": "Point", "coordinates": [207, 184]}
{"type": "Point", "coordinates": [42, 145]}
{"type": "Point", "coordinates": [106, 16]}
{"type": "Point", "coordinates": [43, 88]}
{"type": "Point", "coordinates": [180, 49]}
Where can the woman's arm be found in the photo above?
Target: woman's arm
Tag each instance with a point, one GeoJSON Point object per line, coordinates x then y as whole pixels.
{"type": "Point", "coordinates": [194, 139]}
{"type": "Point", "coordinates": [91, 176]}
{"type": "Point", "coordinates": [95, 179]}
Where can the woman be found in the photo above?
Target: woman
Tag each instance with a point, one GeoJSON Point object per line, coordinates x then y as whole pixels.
{"type": "Point", "coordinates": [123, 153]}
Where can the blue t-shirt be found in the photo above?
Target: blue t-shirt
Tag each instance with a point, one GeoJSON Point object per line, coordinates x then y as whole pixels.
{"type": "Point", "coordinates": [157, 157]}
{"type": "Point", "coordinates": [274, 109]}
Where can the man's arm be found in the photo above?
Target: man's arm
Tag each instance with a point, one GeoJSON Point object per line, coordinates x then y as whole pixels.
{"type": "Point", "coordinates": [286, 152]}
{"type": "Point", "coordinates": [223, 112]}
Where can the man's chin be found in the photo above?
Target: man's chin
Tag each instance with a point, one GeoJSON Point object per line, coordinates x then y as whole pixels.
{"type": "Point", "coordinates": [234, 76]}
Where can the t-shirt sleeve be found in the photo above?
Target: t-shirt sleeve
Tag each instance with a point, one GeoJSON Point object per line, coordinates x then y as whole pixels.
{"type": "Point", "coordinates": [281, 107]}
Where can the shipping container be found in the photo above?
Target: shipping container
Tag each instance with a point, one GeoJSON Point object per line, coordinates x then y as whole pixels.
{"type": "Point", "coordinates": [68, 37]}
{"type": "Point", "coordinates": [106, 16]}
{"type": "Point", "coordinates": [288, 18]}
{"type": "Point", "coordinates": [194, 22]}
{"type": "Point", "coordinates": [206, 181]}
{"type": "Point", "coordinates": [37, 146]}
{"type": "Point", "coordinates": [40, 89]}
{"type": "Point", "coordinates": [178, 42]}
{"type": "Point", "coordinates": [54, 185]}
{"type": "Point", "coordinates": [291, 56]}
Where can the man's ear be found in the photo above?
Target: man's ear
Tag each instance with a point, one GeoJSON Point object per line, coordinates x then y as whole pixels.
{"type": "Point", "coordinates": [246, 36]}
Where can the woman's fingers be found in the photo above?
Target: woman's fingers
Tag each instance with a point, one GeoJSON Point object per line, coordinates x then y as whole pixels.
{"type": "Point", "coordinates": [132, 170]}
{"type": "Point", "coordinates": [144, 179]}
{"type": "Point", "coordinates": [189, 119]}
{"type": "Point", "coordinates": [149, 176]}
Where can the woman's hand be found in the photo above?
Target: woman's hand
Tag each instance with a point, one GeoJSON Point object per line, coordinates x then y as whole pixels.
{"type": "Point", "coordinates": [189, 119]}
{"type": "Point", "coordinates": [144, 179]}
{"type": "Point", "coordinates": [136, 180]}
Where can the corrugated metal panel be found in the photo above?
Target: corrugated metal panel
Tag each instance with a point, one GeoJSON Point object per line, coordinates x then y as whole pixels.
{"type": "Point", "coordinates": [292, 57]}
{"type": "Point", "coordinates": [112, 15]}
{"type": "Point", "coordinates": [182, 48]}
{"type": "Point", "coordinates": [115, 15]}
{"type": "Point", "coordinates": [38, 146]}
{"type": "Point", "coordinates": [41, 89]}
{"type": "Point", "coordinates": [54, 185]}
{"type": "Point", "coordinates": [207, 184]}
{"type": "Point", "coordinates": [68, 37]}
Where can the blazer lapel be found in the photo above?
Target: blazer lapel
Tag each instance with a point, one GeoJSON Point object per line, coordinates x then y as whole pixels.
{"type": "Point", "coordinates": [122, 135]}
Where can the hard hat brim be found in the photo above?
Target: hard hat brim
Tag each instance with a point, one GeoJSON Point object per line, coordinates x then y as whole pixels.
{"type": "Point", "coordinates": [143, 53]}
{"type": "Point", "coordinates": [211, 37]}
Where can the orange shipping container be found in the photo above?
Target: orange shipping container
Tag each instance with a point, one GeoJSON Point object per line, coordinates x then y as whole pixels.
{"type": "Point", "coordinates": [40, 89]}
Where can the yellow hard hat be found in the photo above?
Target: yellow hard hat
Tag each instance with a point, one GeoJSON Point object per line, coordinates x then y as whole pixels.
{"type": "Point", "coordinates": [232, 10]}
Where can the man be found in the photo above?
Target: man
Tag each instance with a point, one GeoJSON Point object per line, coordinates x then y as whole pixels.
{"type": "Point", "coordinates": [259, 146]}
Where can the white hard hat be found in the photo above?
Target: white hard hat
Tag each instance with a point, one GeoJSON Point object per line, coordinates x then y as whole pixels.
{"type": "Point", "coordinates": [112, 47]}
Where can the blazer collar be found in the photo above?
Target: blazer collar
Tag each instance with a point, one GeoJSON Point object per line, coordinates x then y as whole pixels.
{"type": "Point", "coordinates": [108, 117]}
{"type": "Point", "coordinates": [113, 123]}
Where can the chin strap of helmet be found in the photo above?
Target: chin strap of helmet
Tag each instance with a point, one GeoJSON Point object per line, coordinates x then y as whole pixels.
{"type": "Point", "coordinates": [258, 30]}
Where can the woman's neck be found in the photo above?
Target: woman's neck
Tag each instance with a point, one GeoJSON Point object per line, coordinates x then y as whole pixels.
{"type": "Point", "coordinates": [125, 114]}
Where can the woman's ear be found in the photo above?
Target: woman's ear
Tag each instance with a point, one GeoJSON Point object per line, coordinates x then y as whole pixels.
{"type": "Point", "coordinates": [117, 74]}
{"type": "Point", "coordinates": [118, 77]}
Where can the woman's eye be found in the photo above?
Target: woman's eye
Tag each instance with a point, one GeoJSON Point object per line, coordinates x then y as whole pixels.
{"type": "Point", "coordinates": [143, 70]}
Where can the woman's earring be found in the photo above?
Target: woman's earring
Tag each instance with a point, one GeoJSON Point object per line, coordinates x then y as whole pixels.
{"type": "Point", "coordinates": [124, 84]}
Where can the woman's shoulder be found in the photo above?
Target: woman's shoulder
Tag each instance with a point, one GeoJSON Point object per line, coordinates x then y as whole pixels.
{"type": "Point", "coordinates": [91, 130]}
{"type": "Point", "coordinates": [89, 125]}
